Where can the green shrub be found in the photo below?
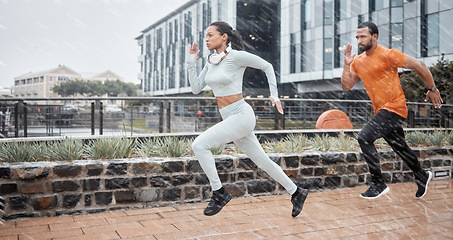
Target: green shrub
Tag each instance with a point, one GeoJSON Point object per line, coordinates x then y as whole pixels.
{"type": "Point", "coordinates": [437, 138]}
{"type": "Point", "coordinates": [16, 152]}
{"type": "Point", "coordinates": [173, 147]}
{"type": "Point", "coordinates": [66, 149]}
{"type": "Point", "coordinates": [322, 143]}
{"type": "Point", "coordinates": [148, 148]}
{"type": "Point", "coordinates": [111, 148]}
{"type": "Point", "coordinates": [449, 138]}
{"type": "Point", "coordinates": [218, 149]}
{"type": "Point", "coordinates": [345, 143]}
{"type": "Point", "coordinates": [416, 138]}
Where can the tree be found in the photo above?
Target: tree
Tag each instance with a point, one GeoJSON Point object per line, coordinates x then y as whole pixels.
{"type": "Point", "coordinates": [69, 88]}
{"type": "Point", "coordinates": [113, 88]}
{"type": "Point", "coordinates": [415, 89]}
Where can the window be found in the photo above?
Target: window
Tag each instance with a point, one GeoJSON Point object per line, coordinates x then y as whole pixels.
{"type": "Point", "coordinates": [397, 3]}
{"type": "Point", "coordinates": [306, 14]}
{"type": "Point", "coordinates": [328, 12]}
{"type": "Point", "coordinates": [432, 34]}
{"type": "Point", "coordinates": [16, 83]}
{"type": "Point", "coordinates": [50, 79]}
{"type": "Point", "coordinates": [328, 52]}
{"type": "Point", "coordinates": [292, 53]}
{"type": "Point", "coordinates": [397, 36]}
{"type": "Point", "coordinates": [342, 12]}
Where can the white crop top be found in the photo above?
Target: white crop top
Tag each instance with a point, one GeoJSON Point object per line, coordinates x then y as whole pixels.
{"type": "Point", "coordinates": [226, 77]}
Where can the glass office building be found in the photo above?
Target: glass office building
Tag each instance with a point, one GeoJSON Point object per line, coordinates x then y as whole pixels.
{"type": "Point", "coordinates": [303, 39]}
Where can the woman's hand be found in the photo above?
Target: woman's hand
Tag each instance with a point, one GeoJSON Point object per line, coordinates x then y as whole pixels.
{"type": "Point", "coordinates": [193, 50]}
{"type": "Point", "coordinates": [278, 104]}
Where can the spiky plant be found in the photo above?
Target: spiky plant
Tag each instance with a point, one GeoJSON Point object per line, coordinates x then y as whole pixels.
{"type": "Point", "coordinates": [437, 138]}
{"type": "Point", "coordinates": [110, 148]}
{"type": "Point", "coordinates": [273, 146]}
{"type": "Point", "coordinates": [345, 143]}
{"type": "Point", "coordinates": [218, 149]}
{"type": "Point", "coordinates": [16, 152]}
{"type": "Point", "coordinates": [449, 138]}
{"type": "Point", "coordinates": [148, 148]}
{"type": "Point", "coordinates": [40, 151]}
{"type": "Point", "coordinates": [322, 143]}
{"type": "Point", "coordinates": [416, 138]}
{"type": "Point", "coordinates": [173, 147]}
{"type": "Point", "coordinates": [66, 149]}
{"type": "Point", "coordinates": [296, 143]}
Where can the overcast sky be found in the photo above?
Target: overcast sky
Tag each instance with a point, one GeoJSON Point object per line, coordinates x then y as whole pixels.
{"type": "Point", "coordinates": [88, 36]}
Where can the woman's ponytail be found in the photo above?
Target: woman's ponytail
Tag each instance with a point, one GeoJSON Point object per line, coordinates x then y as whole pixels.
{"type": "Point", "coordinates": [234, 37]}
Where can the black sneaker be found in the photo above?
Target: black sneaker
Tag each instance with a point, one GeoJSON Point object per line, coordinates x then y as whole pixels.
{"type": "Point", "coordinates": [298, 199]}
{"type": "Point", "coordinates": [218, 201]}
{"type": "Point", "coordinates": [423, 184]}
{"type": "Point", "coordinates": [376, 190]}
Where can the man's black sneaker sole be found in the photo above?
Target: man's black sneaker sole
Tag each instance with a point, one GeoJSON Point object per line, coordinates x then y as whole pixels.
{"type": "Point", "coordinates": [386, 190]}
{"type": "Point", "coordinates": [430, 176]}
{"type": "Point", "coordinates": [227, 200]}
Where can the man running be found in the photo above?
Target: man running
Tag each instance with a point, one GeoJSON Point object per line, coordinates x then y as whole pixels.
{"type": "Point", "coordinates": [377, 67]}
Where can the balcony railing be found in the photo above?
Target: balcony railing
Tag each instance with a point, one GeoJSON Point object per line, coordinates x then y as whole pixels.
{"type": "Point", "coordinates": [29, 117]}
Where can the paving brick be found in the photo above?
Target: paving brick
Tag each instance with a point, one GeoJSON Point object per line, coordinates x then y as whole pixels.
{"type": "Point", "coordinates": [52, 235]}
{"type": "Point", "coordinates": [23, 230]}
{"type": "Point", "coordinates": [78, 224]}
{"type": "Point", "coordinates": [136, 232]}
{"type": "Point", "coordinates": [110, 227]}
{"type": "Point", "coordinates": [197, 233]}
{"type": "Point", "coordinates": [97, 236]}
{"type": "Point", "coordinates": [44, 221]}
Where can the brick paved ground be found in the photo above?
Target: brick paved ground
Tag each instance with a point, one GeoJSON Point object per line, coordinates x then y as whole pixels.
{"type": "Point", "coordinates": [336, 214]}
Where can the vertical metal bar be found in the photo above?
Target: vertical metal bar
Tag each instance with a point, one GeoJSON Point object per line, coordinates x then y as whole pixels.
{"type": "Point", "coordinates": [275, 118]}
{"type": "Point", "coordinates": [101, 118]}
{"type": "Point", "coordinates": [16, 119]}
{"type": "Point", "coordinates": [169, 117]}
{"type": "Point", "coordinates": [25, 119]}
{"type": "Point", "coordinates": [92, 118]}
{"type": "Point", "coordinates": [161, 117]}
{"type": "Point", "coordinates": [132, 117]}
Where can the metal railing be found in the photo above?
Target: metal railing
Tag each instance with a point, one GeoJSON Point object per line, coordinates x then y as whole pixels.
{"type": "Point", "coordinates": [29, 117]}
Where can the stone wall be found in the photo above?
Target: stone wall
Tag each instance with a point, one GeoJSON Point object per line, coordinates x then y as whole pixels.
{"type": "Point", "coordinates": [91, 186]}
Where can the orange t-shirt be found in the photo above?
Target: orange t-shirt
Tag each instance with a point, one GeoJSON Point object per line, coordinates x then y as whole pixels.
{"type": "Point", "coordinates": [379, 75]}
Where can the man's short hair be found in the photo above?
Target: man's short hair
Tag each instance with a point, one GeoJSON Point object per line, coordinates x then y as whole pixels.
{"type": "Point", "coordinates": [371, 26]}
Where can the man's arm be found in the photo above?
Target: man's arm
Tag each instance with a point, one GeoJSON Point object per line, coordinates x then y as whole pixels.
{"type": "Point", "coordinates": [427, 77]}
{"type": "Point", "coordinates": [348, 78]}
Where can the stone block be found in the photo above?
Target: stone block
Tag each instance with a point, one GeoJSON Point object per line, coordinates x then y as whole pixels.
{"type": "Point", "coordinates": [87, 200]}
{"type": "Point", "coordinates": [397, 166]}
{"type": "Point", "coordinates": [62, 186]}
{"type": "Point", "coordinates": [206, 191]}
{"type": "Point", "coordinates": [310, 159]}
{"type": "Point", "coordinates": [71, 200]}
{"type": "Point", "coordinates": [388, 166]}
{"type": "Point", "coordinates": [20, 215]}
{"type": "Point", "coordinates": [32, 173]}
{"type": "Point", "coordinates": [437, 151]}
{"type": "Point", "coordinates": [67, 170]}
{"type": "Point", "coordinates": [426, 164]}
{"type": "Point", "coordinates": [224, 164]}
{"type": "Point", "coordinates": [201, 179]}
{"type": "Point", "coordinates": [139, 182]}
{"type": "Point", "coordinates": [18, 202]}
{"type": "Point", "coordinates": [276, 159]}
{"type": "Point", "coordinates": [447, 163]}
{"type": "Point", "coordinates": [125, 196]}
{"type": "Point", "coordinates": [35, 187]}
{"type": "Point", "coordinates": [68, 212]}
{"type": "Point", "coordinates": [351, 157]}
{"type": "Point", "coordinates": [261, 186]}
{"type": "Point", "coordinates": [103, 198]}
{"type": "Point", "coordinates": [116, 169]}
{"type": "Point", "coordinates": [246, 163]}
{"type": "Point", "coordinates": [160, 181]}
{"type": "Point", "coordinates": [397, 177]}
{"type": "Point", "coordinates": [8, 188]}
{"type": "Point", "coordinates": [191, 192]}
{"type": "Point", "coordinates": [177, 180]}
{"type": "Point", "coordinates": [94, 211]}
{"type": "Point", "coordinates": [291, 161]}
{"type": "Point", "coordinates": [147, 167]}
{"type": "Point", "coordinates": [94, 169]}
{"type": "Point", "coordinates": [5, 172]}
{"type": "Point", "coordinates": [149, 195]}
{"type": "Point", "coordinates": [91, 184]}
{"type": "Point", "coordinates": [361, 169]}
{"type": "Point", "coordinates": [44, 202]}
{"type": "Point", "coordinates": [291, 173]}
{"type": "Point", "coordinates": [387, 176]}
{"type": "Point", "coordinates": [306, 171]}
{"type": "Point", "coordinates": [387, 155]}
{"type": "Point", "coordinates": [171, 194]}
{"type": "Point", "coordinates": [116, 183]}
{"type": "Point", "coordinates": [332, 158]}
{"type": "Point", "coordinates": [310, 183]}
{"type": "Point", "coordinates": [173, 166]}
{"type": "Point", "coordinates": [246, 175]}
{"type": "Point", "coordinates": [417, 152]}
{"type": "Point", "coordinates": [236, 189]}
{"type": "Point", "coordinates": [350, 181]}
{"type": "Point", "coordinates": [320, 171]}
{"type": "Point", "coordinates": [193, 166]}
{"type": "Point", "coordinates": [437, 162]}
{"type": "Point", "coordinates": [332, 181]}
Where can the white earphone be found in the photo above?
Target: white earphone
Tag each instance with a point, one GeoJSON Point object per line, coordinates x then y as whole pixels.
{"type": "Point", "coordinates": [216, 58]}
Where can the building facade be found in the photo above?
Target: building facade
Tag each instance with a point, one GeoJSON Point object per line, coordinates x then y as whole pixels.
{"type": "Point", "coordinates": [40, 84]}
{"type": "Point", "coordinates": [303, 39]}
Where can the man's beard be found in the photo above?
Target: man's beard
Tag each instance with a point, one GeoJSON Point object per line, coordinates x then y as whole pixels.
{"type": "Point", "coordinates": [364, 48]}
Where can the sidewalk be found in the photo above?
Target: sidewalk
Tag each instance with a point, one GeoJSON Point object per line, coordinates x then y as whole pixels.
{"type": "Point", "coordinates": [336, 214]}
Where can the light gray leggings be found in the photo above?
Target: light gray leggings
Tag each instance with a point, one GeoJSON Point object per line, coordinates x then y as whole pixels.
{"type": "Point", "coordinates": [237, 126]}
